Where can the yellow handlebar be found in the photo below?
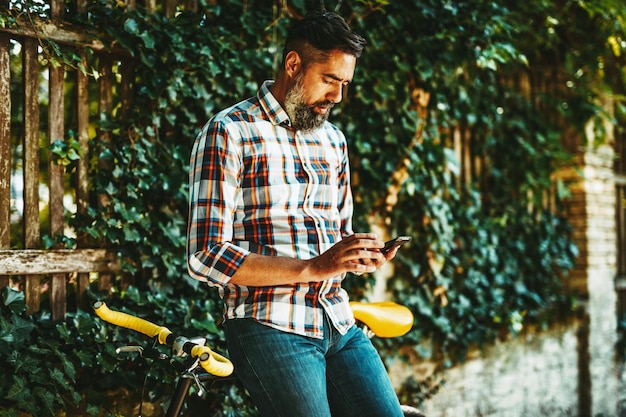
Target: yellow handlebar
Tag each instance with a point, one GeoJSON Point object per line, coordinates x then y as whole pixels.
{"type": "Point", "coordinates": [210, 361]}
{"type": "Point", "coordinates": [131, 322]}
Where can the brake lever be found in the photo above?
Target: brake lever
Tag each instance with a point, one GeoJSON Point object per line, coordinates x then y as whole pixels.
{"type": "Point", "coordinates": [201, 388]}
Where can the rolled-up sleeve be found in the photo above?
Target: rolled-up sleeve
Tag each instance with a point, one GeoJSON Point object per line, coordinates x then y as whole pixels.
{"type": "Point", "coordinates": [213, 186]}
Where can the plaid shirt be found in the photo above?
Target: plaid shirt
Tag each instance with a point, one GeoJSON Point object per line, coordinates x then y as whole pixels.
{"type": "Point", "coordinates": [257, 185]}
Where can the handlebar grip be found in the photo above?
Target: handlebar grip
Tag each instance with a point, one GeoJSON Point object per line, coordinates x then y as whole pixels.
{"type": "Point", "coordinates": [212, 362]}
{"type": "Point", "coordinates": [131, 322]}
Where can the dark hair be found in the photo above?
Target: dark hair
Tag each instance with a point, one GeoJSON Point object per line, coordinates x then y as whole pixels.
{"type": "Point", "coordinates": [319, 33]}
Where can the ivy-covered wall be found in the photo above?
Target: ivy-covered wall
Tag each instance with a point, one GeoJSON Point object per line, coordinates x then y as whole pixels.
{"type": "Point", "coordinates": [490, 251]}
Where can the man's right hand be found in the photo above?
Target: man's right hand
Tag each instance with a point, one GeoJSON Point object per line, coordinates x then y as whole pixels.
{"type": "Point", "coordinates": [358, 253]}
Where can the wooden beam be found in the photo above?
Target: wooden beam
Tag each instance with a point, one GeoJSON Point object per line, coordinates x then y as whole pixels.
{"type": "Point", "coordinates": [60, 261]}
{"type": "Point", "coordinates": [169, 8]}
{"type": "Point", "coordinates": [56, 126]}
{"type": "Point", "coordinates": [60, 32]}
{"type": "Point", "coordinates": [5, 143]}
{"type": "Point", "coordinates": [82, 120]}
{"type": "Point", "coordinates": [56, 132]}
{"type": "Point", "coordinates": [31, 144]}
{"type": "Point", "coordinates": [58, 296]}
{"type": "Point", "coordinates": [57, 9]}
{"type": "Point", "coordinates": [32, 293]}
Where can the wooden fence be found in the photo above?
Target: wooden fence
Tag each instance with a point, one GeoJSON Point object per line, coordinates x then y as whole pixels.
{"type": "Point", "coordinates": [46, 275]}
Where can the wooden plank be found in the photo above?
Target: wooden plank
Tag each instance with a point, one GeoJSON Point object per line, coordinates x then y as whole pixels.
{"type": "Point", "coordinates": [58, 302]}
{"type": "Point", "coordinates": [105, 282]}
{"type": "Point", "coordinates": [31, 165]}
{"type": "Point", "coordinates": [82, 187]}
{"type": "Point", "coordinates": [5, 143]}
{"type": "Point", "coordinates": [82, 284]}
{"type": "Point", "coordinates": [458, 151]}
{"type": "Point", "coordinates": [31, 144]}
{"type": "Point", "coordinates": [105, 107]}
{"type": "Point", "coordinates": [466, 162]}
{"type": "Point", "coordinates": [56, 125]}
{"type": "Point", "coordinates": [105, 89]}
{"type": "Point", "coordinates": [126, 94]}
{"type": "Point", "coordinates": [56, 132]}
{"type": "Point", "coordinates": [57, 9]}
{"type": "Point", "coordinates": [58, 296]}
{"type": "Point", "coordinates": [150, 5]}
{"type": "Point", "coordinates": [57, 261]}
{"type": "Point", "coordinates": [82, 120]}
{"type": "Point", "coordinates": [32, 293]}
{"type": "Point", "coordinates": [5, 148]}
{"type": "Point", "coordinates": [81, 6]}
{"type": "Point", "coordinates": [169, 8]}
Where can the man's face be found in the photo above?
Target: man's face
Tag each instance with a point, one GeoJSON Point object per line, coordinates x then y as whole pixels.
{"type": "Point", "coordinates": [316, 89]}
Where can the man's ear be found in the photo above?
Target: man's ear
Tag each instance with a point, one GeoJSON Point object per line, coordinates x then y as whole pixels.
{"type": "Point", "coordinates": [293, 63]}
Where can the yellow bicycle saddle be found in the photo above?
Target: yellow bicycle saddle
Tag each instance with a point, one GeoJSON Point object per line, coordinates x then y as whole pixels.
{"type": "Point", "coordinates": [385, 318]}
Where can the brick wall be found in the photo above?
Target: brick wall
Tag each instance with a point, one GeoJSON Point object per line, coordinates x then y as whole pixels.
{"type": "Point", "coordinates": [570, 369]}
{"type": "Point", "coordinates": [600, 265]}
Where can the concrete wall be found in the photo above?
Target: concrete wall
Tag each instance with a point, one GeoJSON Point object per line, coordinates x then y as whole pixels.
{"type": "Point", "coordinates": [534, 374]}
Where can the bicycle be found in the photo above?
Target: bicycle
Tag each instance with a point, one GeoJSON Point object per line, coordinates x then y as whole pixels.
{"type": "Point", "coordinates": [202, 366]}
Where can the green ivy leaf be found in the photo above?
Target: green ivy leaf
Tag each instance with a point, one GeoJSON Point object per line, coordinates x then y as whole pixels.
{"type": "Point", "coordinates": [207, 325]}
{"type": "Point", "coordinates": [14, 300]}
{"type": "Point", "coordinates": [21, 328]}
{"type": "Point", "coordinates": [47, 399]}
{"type": "Point", "coordinates": [19, 391]}
{"type": "Point", "coordinates": [84, 323]}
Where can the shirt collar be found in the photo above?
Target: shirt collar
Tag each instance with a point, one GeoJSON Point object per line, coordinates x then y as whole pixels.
{"type": "Point", "coordinates": [272, 108]}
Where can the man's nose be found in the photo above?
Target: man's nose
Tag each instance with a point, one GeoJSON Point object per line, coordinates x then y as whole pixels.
{"type": "Point", "coordinates": [335, 94]}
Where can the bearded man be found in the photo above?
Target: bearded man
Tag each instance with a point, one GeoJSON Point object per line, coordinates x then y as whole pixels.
{"type": "Point", "coordinates": [270, 227]}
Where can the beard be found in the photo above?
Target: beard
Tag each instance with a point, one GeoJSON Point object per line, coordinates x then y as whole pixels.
{"type": "Point", "coordinates": [303, 117]}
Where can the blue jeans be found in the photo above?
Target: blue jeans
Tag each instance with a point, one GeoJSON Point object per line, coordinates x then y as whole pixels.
{"type": "Point", "coordinates": [289, 375]}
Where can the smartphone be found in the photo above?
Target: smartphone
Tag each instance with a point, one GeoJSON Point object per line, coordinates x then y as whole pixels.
{"type": "Point", "coordinates": [400, 240]}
